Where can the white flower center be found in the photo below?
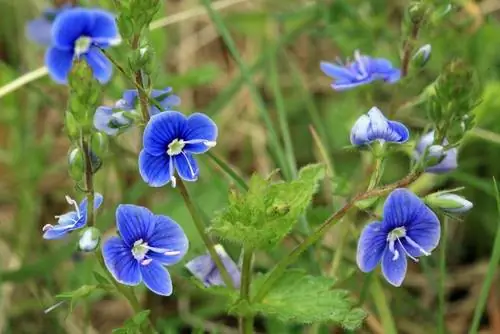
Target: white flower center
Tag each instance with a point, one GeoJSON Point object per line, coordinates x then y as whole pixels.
{"type": "Point", "coordinates": [82, 45]}
{"type": "Point", "coordinates": [176, 147]}
{"type": "Point", "coordinates": [140, 249]}
{"type": "Point", "coordinates": [396, 235]}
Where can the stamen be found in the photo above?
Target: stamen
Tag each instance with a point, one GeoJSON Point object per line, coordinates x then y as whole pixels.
{"type": "Point", "coordinates": [173, 180]}
{"type": "Point", "coordinates": [171, 253]}
{"type": "Point", "coordinates": [360, 62]}
{"type": "Point", "coordinates": [47, 227]}
{"type": "Point", "coordinates": [190, 167]}
{"type": "Point", "coordinates": [145, 262]}
{"type": "Point", "coordinates": [209, 143]}
{"type": "Point", "coordinates": [414, 244]}
{"type": "Point", "coordinates": [74, 203]}
{"type": "Point", "coordinates": [406, 252]}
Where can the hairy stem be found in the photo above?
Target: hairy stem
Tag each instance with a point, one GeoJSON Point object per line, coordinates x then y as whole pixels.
{"type": "Point", "coordinates": [408, 48]}
{"type": "Point", "coordinates": [246, 323]}
{"type": "Point", "coordinates": [89, 181]}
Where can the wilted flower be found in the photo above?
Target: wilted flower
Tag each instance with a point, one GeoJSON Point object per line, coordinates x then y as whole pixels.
{"type": "Point", "coordinates": [361, 71]}
{"type": "Point", "coordinates": [205, 269]}
{"type": "Point", "coordinates": [408, 228]}
{"type": "Point", "coordinates": [80, 33]}
{"type": "Point", "coordinates": [147, 242]}
{"type": "Point", "coordinates": [375, 126]}
{"type": "Point", "coordinates": [111, 119]}
{"type": "Point", "coordinates": [449, 157]}
{"type": "Point", "coordinates": [39, 30]}
{"type": "Point", "coordinates": [71, 221]}
{"type": "Point", "coordinates": [449, 202]}
{"type": "Point", "coordinates": [170, 140]}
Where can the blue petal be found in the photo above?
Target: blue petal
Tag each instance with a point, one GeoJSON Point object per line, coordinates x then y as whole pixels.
{"type": "Point", "coordinates": [381, 66]}
{"type": "Point", "coordinates": [59, 64]}
{"type": "Point", "coordinates": [161, 130]}
{"type": "Point", "coordinates": [399, 132]}
{"type": "Point", "coordinates": [382, 129]}
{"type": "Point", "coordinates": [394, 271]}
{"type": "Point", "coordinates": [100, 64]}
{"type": "Point", "coordinates": [130, 98]}
{"type": "Point", "coordinates": [337, 72]}
{"type": "Point", "coordinates": [134, 223]}
{"type": "Point", "coordinates": [371, 245]}
{"type": "Point", "coordinates": [40, 31]}
{"type": "Point", "coordinates": [341, 85]}
{"type": "Point", "coordinates": [157, 278]}
{"type": "Point", "coordinates": [393, 76]}
{"type": "Point", "coordinates": [446, 165]}
{"type": "Point", "coordinates": [156, 171]}
{"type": "Point", "coordinates": [120, 262]}
{"type": "Point", "coordinates": [103, 27]}
{"type": "Point", "coordinates": [166, 103]}
{"type": "Point", "coordinates": [359, 131]}
{"type": "Point", "coordinates": [102, 117]}
{"type": "Point", "coordinates": [97, 203]}
{"type": "Point", "coordinates": [68, 218]}
{"type": "Point", "coordinates": [201, 267]}
{"type": "Point", "coordinates": [57, 232]}
{"type": "Point", "coordinates": [169, 235]}
{"type": "Point", "coordinates": [199, 126]}
{"type": "Point", "coordinates": [70, 25]}
{"type": "Point", "coordinates": [186, 166]}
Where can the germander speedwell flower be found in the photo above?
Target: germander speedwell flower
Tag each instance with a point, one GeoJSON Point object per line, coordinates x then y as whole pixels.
{"type": "Point", "coordinates": [449, 157]}
{"type": "Point", "coordinates": [408, 229]}
{"type": "Point", "coordinates": [79, 33]}
{"type": "Point", "coordinates": [71, 221]}
{"type": "Point", "coordinates": [147, 243]}
{"type": "Point", "coordinates": [374, 126]}
{"type": "Point", "coordinates": [362, 70]}
{"type": "Point", "coordinates": [170, 140]}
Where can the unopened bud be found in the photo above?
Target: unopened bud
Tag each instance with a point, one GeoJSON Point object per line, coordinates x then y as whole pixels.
{"type": "Point", "coordinates": [421, 57]}
{"type": "Point", "coordinates": [417, 11]}
{"type": "Point", "coordinates": [76, 164]}
{"type": "Point", "coordinates": [449, 202]}
{"type": "Point", "coordinates": [99, 143]}
{"type": "Point", "coordinates": [89, 239]}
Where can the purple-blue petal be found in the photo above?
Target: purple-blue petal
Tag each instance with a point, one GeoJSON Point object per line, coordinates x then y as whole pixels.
{"type": "Point", "coordinates": [130, 98]}
{"type": "Point", "coordinates": [57, 232]}
{"type": "Point", "coordinates": [134, 223]}
{"type": "Point", "coordinates": [120, 262]}
{"type": "Point", "coordinates": [168, 235]}
{"type": "Point", "coordinates": [98, 198]}
{"type": "Point", "coordinates": [39, 31]}
{"type": "Point", "coordinates": [199, 126]}
{"type": "Point", "coordinates": [59, 64]}
{"type": "Point", "coordinates": [102, 117]}
{"type": "Point", "coordinates": [371, 245]}
{"type": "Point", "coordinates": [394, 270]}
{"type": "Point", "coordinates": [156, 171]}
{"type": "Point", "coordinates": [341, 85]}
{"type": "Point", "coordinates": [103, 25]}
{"type": "Point", "coordinates": [161, 130]}
{"type": "Point", "coordinates": [101, 66]}
{"type": "Point", "coordinates": [156, 278]}
{"type": "Point", "coordinates": [186, 166]}
{"type": "Point", "coordinates": [446, 165]}
{"type": "Point", "coordinates": [70, 25]}
{"type": "Point", "coordinates": [337, 72]}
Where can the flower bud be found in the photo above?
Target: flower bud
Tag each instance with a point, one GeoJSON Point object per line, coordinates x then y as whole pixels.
{"type": "Point", "coordinates": [71, 125]}
{"type": "Point", "coordinates": [417, 11]}
{"type": "Point", "coordinates": [89, 239]}
{"type": "Point", "coordinates": [76, 164]}
{"type": "Point", "coordinates": [449, 202]}
{"type": "Point", "coordinates": [421, 57]}
{"type": "Point", "coordinates": [99, 143]}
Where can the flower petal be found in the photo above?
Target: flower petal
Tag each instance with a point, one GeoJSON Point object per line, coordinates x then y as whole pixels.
{"type": "Point", "coordinates": [161, 130]}
{"type": "Point", "coordinates": [157, 278]}
{"type": "Point", "coordinates": [155, 170]}
{"type": "Point", "coordinates": [98, 198]}
{"type": "Point", "coordinates": [186, 166]}
{"type": "Point", "coordinates": [341, 85]}
{"type": "Point", "coordinates": [199, 126]}
{"type": "Point", "coordinates": [100, 64]}
{"type": "Point", "coordinates": [69, 26]}
{"type": "Point", "coordinates": [59, 64]}
{"type": "Point", "coordinates": [134, 223]}
{"type": "Point", "coordinates": [168, 235]}
{"type": "Point", "coordinates": [120, 262]}
{"type": "Point", "coordinates": [57, 232]}
{"type": "Point", "coordinates": [336, 72]}
{"type": "Point", "coordinates": [359, 131]}
{"type": "Point", "coordinates": [371, 245]}
{"type": "Point", "coordinates": [102, 117]}
{"type": "Point", "coordinates": [40, 31]}
{"type": "Point", "coordinates": [448, 164]}
{"type": "Point", "coordinates": [130, 98]}
{"type": "Point", "coordinates": [394, 270]}
{"type": "Point", "coordinates": [103, 26]}
{"type": "Point", "coordinates": [382, 129]}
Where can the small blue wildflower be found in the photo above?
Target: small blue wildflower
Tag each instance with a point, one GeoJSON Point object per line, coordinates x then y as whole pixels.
{"type": "Point", "coordinates": [205, 269]}
{"type": "Point", "coordinates": [39, 30]}
{"type": "Point", "coordinates": [363, 70]}
{"type": "Point", "coordinates": [111, 119]}
{"type": "Point", "coordinates": [147, 243]}
{"type": "Point", "coordinates": [375, 126]}
{"type": "Point", "coordinates": [449, 157]}
{"type": "Point", "coordinates": [80, 33]}
{"type": "Point", "coordinates": [170, 140]}
{"type": "Point", "coordinates": [70, 221]}
{"type": "Point", "coordinates": [409, 228]}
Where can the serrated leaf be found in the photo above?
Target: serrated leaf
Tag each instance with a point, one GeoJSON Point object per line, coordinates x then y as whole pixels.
{"type": "Point", "coordinates": [301, 298]}
{"type": "Point", "coordinates": [139, 318]}
{"type": "Point", "coordinates": [267, 212]}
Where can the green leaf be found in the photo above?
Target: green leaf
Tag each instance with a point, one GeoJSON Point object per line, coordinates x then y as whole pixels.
{"type": "Point", "coordinates": [265, 214]}
{"type": "Point", "coordinates": [75, 295]}
{"type": "Point", "coordinates": [301, 298]}
{"type": "Point", "coordinates": [140, 317]}
{"type": "Point", "coordinates": [133, 325]}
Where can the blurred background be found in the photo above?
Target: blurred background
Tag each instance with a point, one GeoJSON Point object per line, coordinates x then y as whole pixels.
{"type": "Point", "coordinates": [282, 41]}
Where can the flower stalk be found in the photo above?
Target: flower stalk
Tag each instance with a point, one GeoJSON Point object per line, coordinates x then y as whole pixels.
{"type": "Point", "coordinates": [246, 322]}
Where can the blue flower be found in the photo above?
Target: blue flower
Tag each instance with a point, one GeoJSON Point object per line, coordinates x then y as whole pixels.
{"type": "Point", "coordinates": [111, 119]}
{"type": "Point", "coordinates": [449, 157]}
{"type": "Point", "coordinates": [147, 243]}
{"type": "Point", "coordinates": [79, 33]}
{"type": "Point", "coordinates": [361, 71]}
{"type": "Point", "coordinates": [70, 221]}
{"type": "Point", "coordinates": [375, 126]}
{"type": "Point", "coordinates": [409, 228]}
{"type": "Point", "coordinates": [39, 30]}
{"type": "Point", "coordinates": [170, 140]}
{"type": "Point", "coordinates": [204, 269]}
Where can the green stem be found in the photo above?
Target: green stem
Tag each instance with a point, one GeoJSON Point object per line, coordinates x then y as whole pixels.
{"type": "Point", "coordinates": [382, 306]}
{"type": "Point", "coordinates": [89, 181]}
{"type": "Point", "coordinates": [378, 151]}
{"type": "Point", "coordinates": [143, 96]}
{"type": "Point", "coordinates": [198, 222]}
{"type": "Point", "coordinates": [442, 278]}
{"type": "Point", "coordinates": [281, 266]}
{"type": "Point", "coordinates": [228, 170]}
{"type": "Point", "coordinates": [246, 323]}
